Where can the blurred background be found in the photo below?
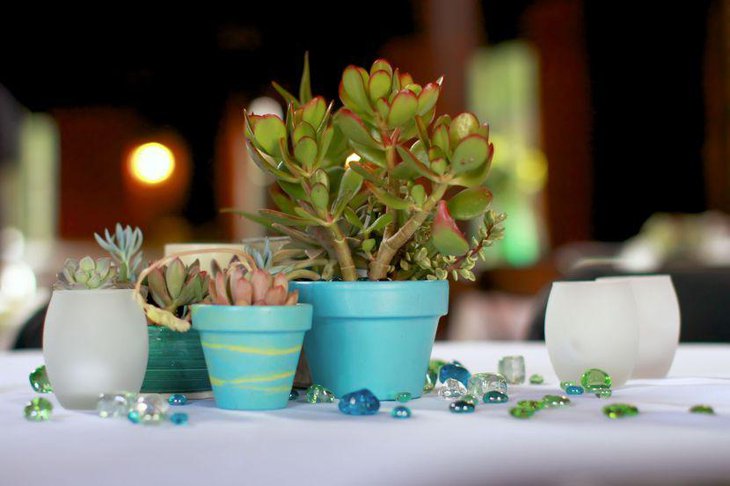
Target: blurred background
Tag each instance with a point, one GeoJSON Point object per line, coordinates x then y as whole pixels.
{"type": "Point", "coordinates": [610, 121]}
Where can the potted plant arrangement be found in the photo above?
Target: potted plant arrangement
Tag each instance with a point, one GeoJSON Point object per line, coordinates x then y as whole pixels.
{"type": "Point", "coordinates": [94, 336]}
{"type": "Point", "coordinates": [373, 192]}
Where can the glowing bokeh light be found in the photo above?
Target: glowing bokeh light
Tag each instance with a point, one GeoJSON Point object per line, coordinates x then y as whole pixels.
{"type": "Point", "coordinates": [152, 163]}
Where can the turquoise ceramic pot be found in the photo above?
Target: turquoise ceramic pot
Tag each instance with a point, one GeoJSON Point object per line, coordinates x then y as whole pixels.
{"type": "Point", "coordinates": [375, 335]}
{"type": "Point", "coordinates": [252, 352]}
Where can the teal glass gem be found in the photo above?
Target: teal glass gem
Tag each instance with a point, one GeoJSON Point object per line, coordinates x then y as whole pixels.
{"type": "Point", "coordinates": [403, 397]}
{"type": "Point", "coordinates": [319, 394]}
{"type": "Point", "coordinates": [566, 384]}
{"type": "Point", "coordinates": [620, 410]}
{"type": "Point", "coordinates": [522, 413]}
{"type": "Point", "coordinates": [555, 401]}
{"type": "Point", "coordinates": [179, 418]}
{"type": "Point", "coordinates": [533, 404]}
{"type": "Point", "coordinates": [595, 379]}
{"type": "Point", "coordinates": [481, 383]}
{"type": "Point", "coordinates": [133, 417]}
{"type": "Point", "coordinates": [177, 399]}
{"type": "Point", "coordinates": [361, 402]}
{"type": "Point", "coordinates": [452, 389]}
{"type": "Point", "coordinates": [38, 410]}
{"type": "Point", "coordinates": [400, 412]}
{"type": "Point", "coordinates": [706, 409]}
{"type": "Point", "coordinates": [293, 395]}
{"type": "Point", "coordinates": [495, 396]}
{"type": "Point", "coordinates": [113, 405]}
{"type": "Point", "coordinates": [39, 380]}
{"type": "Point", "coordinates": [574, 390]}
{"type": "Point", "coordinates": [536, 379]}
{"type": "Point", "coordinates": [456, 372]}
{"type": "Point", "coordinates": [605, 393]}
{"type": "Point", "coordinates": [461, 406]}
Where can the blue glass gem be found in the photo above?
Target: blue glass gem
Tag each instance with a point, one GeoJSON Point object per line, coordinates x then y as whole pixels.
{"type": "Point", "coordinates": [401, 412]}
{"type": "Point", "coordinates": [177, 399]}
{"type": "Point", "coordinates": [134, 417]}
{"type": "Point", "coordinates": [456, 372]}
{"type": "Point", "coordinates": [461, 406]}
{"type": "Point", "coordinates": [361, 402]}
{"type": "Point", "coordinates": [179, 418]}
{"type": "Point", "coordinates": [293, 395]}
{"type": "Point", "coordinates": [574, 390]}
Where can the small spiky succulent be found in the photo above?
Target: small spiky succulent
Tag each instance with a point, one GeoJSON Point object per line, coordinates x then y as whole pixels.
{"type": "Point", "coordinates": [86, 273]}
{"type": "Point", "coordinates": [294, 262]}
{"type": "Point", "coordinates": [124, 247]}
{"type": "Point", "coordinates": [244, 284]}
{"type": "Point", "coordinates": [172, 288]}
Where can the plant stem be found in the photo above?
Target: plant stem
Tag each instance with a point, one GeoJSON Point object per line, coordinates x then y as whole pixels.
{"type": "Point", "coordinates": [390, 156]}
{"type": "Point", "coordinates": [343, 253]}
{"type": "Point", "coordinates": [390, 246]}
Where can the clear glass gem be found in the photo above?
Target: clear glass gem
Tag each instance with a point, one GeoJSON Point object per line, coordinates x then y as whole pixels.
{"type": "Point", "coordinates": [293, 395]}
{"type": "Point", "coordinates": [481, 383]}
{"type": "Point", "coordinates": [594, 380]}
{"type": "Point", "coordinates": [574, 390]}
{"type": "Point", "coordinates": [179, 418]}
{"type": "Point", "coordinates": [38, 410]}
{"type": "Point", "coordinates": [113, 405]}
{"type": "Point", "coordinates": [454, 371]}
{"type": "Point", "coordinates": [605, 393]}
{"type": "Point", "coordinates": [149, 409]}
{"type": "Point", "coordinates": [461, 406]}
{"type": "Point", "coordinates": [361, 402]}
{"type": "Point", "coordinates": [522, 413]}
{"type": "Point", "coordinates": [495, 396]}
{"type": "Point", "coordinates": [400, 412]}
{"type": "Point", "coordinates": [620, 410]}
{"type": "Point", "coordinates": [706, 409]}
{"type": "Point", "coordinates": [177, 399]}
{"type": "Point", "coordinates": [452, 389]}
{"type": "Point", "coordinates": [319, 394]}
{"type": "Point", "coordinates": [403, 397]}
{"type": "Point", "coordinates": [513, 369]}
{"type": "Point", "coordinates": [430, 383]}
{"type": "Point", "coordinates": [469, 398]}
{"type": "Point", "coordinates": [536, 379]}
{"type": "Point", "coordinates": [39, 380]}
{"type": "Point", "coordinates": [555, 401]}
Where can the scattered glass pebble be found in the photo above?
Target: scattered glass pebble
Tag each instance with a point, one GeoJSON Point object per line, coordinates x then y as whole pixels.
{"type": "Point", "coordinates": [481, 383]}
{"type": "Point", "coordinates": [495, 396]}
{"type": "Point", "coordinates": [555, 401]}
{"type": "Point", "coordinates": [38, 410]}
{"type": "Point", "coordinates": [148, 409]}
{"type": "Point", "coordinates": [401, 412]}
{"type": "Point", "coordinates": [595, 379]}
{"type": "Point", "coordinates": [513, 369]}
{"type": "Point", "coordinates": [435, 365]}
{"type": "Point", "coordinates": [293, 395]}
{"type": "Point", "coordinates": [468, 398]}
{"type": "Point", "coordinates": [533, 404]}
{"type": "Point", "coordinates": [566, 384]}
{"type": "Point", "coordinates": [319, 394]}
{"type": "Point", "coordinates": [430, 383]}
{"type": "Point", "coordinates": [452, 389]}
{"type": "Point", "coordinates": [457, 363]}
{"type": "Point", "coordinates": [620, 410]}
{"type": "Point", "coordinates": [133, 416]}
{"type": "Point", "coordinates": [454, 371]}
{"type": "Point", "coordinates": [522, 413]}
{"type": "Point", "coordinates": [113, 405]}
{"type": "Point", "coordinates": [39, 380]}
{"type": "Point", "coordinates": [361, 402]}
{"type": "Point", "coordinates": [179, 418]}
{"type": "Point", "coordinates": [606, 393]}
{"type": "Point", "coordinates": [403, 397]}
{"type": "Point", "coordinates": [706, 409]}
{"type": "Point", "coordinates": [574, 390]}
{"type": "Point", "coordinates": [177, 399]}
{"type": "Point", "coordinates": [536, 379]}
{"type": "Point", "coordinates": [461, 406]}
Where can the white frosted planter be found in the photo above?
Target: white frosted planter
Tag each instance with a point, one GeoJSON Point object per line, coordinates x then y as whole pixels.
{"type": "Point", "coordinates": [592, 325]}
{"type": "Point", "coordinates": [659, 323]}
{"type": "Point", "coordinates": [94, 341]}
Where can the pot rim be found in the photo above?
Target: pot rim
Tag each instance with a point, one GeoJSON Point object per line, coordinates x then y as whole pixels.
{"type": "Point", "coordinates": [94, 291]}
{"type": "Point", "coordinates": [251, 318]}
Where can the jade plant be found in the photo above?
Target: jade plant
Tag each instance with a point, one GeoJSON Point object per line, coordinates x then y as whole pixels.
{"type": "Point", "coordinates": [116, 271]}
{"type": "Point", "coordinates": [374, 189]}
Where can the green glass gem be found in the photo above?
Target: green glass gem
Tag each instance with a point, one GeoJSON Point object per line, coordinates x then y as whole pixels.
{"type": "Point", "coordinates": [620, 410]}
{"type": "Point", "coordinates": [555, 401]}
{"type": "Point", "coordinates": [403, 397]}
{"type": "Point", "coordinates": [536, 380]}
{"type": "Point", "coordinates": [435, 365]}
{"type": "Point", "coordinates": [39, 380]}
{"type": "Point", "coordinates": [521, 412]}
{"type": "Point", "coordinates": [532, 404]}
{"type": "Point", "coordinates": [566, 384]}
{"type": "Point", "coordinates": [430, 382]}
{"type": "Point", "coordinates": [706, 409]}
{"type": "Point", "coordinates": [605, 393]}
{"type": "Point", "coordinates": [595, 379]}
{"type": "Point", "coordinates": [470, 399]}
{"type": "Point", "coordinates": [319, 394]}
{"type": "Point", "coordinates": [38, 410]}
{"type": "Point", "coordinates": [495, 396]}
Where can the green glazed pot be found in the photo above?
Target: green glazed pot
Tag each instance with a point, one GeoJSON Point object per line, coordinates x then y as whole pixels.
{"type": "Point", "coordinates": [175, 363]}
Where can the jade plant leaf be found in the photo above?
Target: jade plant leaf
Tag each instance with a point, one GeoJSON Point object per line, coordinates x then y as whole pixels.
{"type": "Point", "coordinates": [477, 176]}
{"type": "Point", "coordinates": [428, 97]}
{"type": "Point", "coordinates": [386, 198]}
{"type": "Point", "coordinates": [470, 203]}
{"type": "Point", "coordinates": [319, 196]}
{"type": "Point", "coordinates": [379, 85]}
{"type": "Point", "coordinates": [314, 111]}
{"type": "Point", "coordinates": [352, 82]}
{"type": "Point", "coordinates": [463, 125]}
{"type": "Point", "coordinates": [403, 108]}
{"type": "Point", "coordinates": [305, 86]}
{"type": "Point", "coordinates": [306, 151]}
{"type": "Point", "coordinates": [268, 130]}
{"type": "Point", "coordinates": [446, 236]}
{"type": "Point", "coordinates": [353, 128]}
{"type": "Point", "coordinates": [303, 129]}
{"type": "Point", "coordinates": [471, 153]}
{"type": "Point", "coordinates": [382, 65]}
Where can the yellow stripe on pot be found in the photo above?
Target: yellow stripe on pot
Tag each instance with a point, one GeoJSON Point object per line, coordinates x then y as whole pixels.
{"type": "Point", "coordinates": [250, 350]}
{"type": "Point", "coordinates": [251, 379]}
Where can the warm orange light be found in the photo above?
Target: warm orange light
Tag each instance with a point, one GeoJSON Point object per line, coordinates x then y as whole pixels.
{"type": "Point", "coordinates": [152, 163]}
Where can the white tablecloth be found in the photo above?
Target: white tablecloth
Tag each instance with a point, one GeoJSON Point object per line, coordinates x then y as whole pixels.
{"type": "Point", "coordinates": [316, 444]}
